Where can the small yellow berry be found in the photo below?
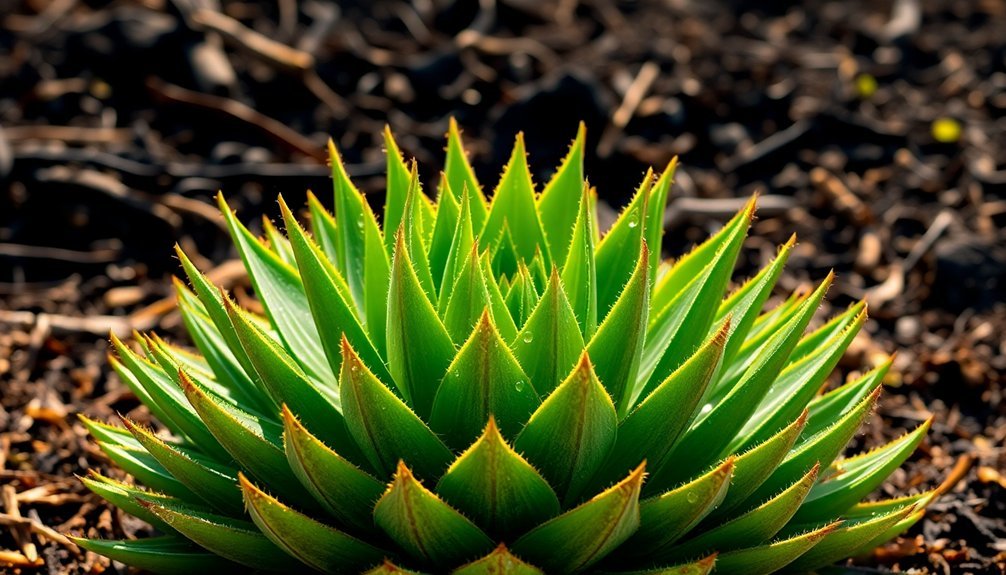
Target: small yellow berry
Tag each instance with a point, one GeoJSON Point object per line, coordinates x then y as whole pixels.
{"type": "Point", "coordinates": [866, 86]}
{"type": "Point", "coordinates": [946, 130]}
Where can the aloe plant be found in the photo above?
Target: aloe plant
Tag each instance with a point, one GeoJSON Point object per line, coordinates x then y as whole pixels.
{"type": "Point", "coordinates": [496, 386]}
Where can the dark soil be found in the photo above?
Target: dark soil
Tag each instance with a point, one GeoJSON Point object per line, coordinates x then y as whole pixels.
{"type": "Point", "coordinates": [118, 121]}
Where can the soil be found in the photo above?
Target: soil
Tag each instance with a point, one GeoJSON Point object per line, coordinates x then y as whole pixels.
{"type": "Point", "coordinates": [873, 130]}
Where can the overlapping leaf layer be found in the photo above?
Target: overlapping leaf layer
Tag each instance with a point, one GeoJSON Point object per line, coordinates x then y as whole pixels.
{"type": "Point", "coordinates": [477, 387]}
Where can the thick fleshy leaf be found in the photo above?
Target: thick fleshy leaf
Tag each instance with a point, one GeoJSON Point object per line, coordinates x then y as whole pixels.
{"type": "Point", "coordinates": [125, 496]}
{"type": "Point", "coordinates": [496, 488]}
{"type": "Point", "coordinates": [656, 206]}
{"type": "Point", "coordinates": [796, 386]}
{"type": "Point", "coordinates": [579, 274]}
{"type": "Point", "coordinates": [562, 192]}
{"type": "Point", "coordinates": [234, 539]}
{"type": "Point", "coordinates": [282, 293]}
{"type": "Point", "coordinates": [650, 430]}
{"type": "Point", "coordinates": [750, 529]}
{"type": "Point", "coordinates": [469, 298]}
{"type": "Point", "coordinates": [461, 177]}
{"type": "Point", "coordinates": [277, 243]}
{"type": "Point", "coordinates": [668, 517]}
{"type": "Point", "coordinates": [331, 306]}
{"type": "Point", "coordinates": [549, 344]}
{"type": "Point", "coordinates": [167, 554]}
{"type": "Point", "coordinates": [754, 466]}
{"type": "Point", "coordinates": [317, 404]}
{"type": "Point", "coordinates": [820, 449]}
{"type": "Point", "coordinates": [462, 243]}
{"type": "Point", "coordinates": [166, 400]}
{"type": "Point", "coordinates": [522, 297]}
{"type": "Point", "coordinates": [214, 483]}
{"type": "Point", "coordinates": [625, 237]}
{"type": "Point", "coordinates": [586, 534]}
{"type": "Point", "coordinates": [425, 526]}
{"type": "Point", "coordinates": [678, 327]}
{"type": "Point", "coordinates": [844, 541]}
{"type": "Point", "coordinates": [397, 188]}
{"type": "Point", "coordinates": [252, 440]}
{"type": "Point", "coordinates": [766, 559]}
{"type": "Point", "coordinates": [389, 568]}
{"type": "Point", "coordinates": [855, 477]}
{"type": "Point", "coordinates": [415, 234]}
{"type": "Point", "coordinates": [827, 408]}
{"type": "Point", "coordinates": [419, 347]}
{"type": "Point", "coordinates": [383, 426]}
{"type": "Point", "coordinates": [571, 433]}
{"type": "Point", "coordinates": [617, 347]}
{"type": "Point", "coordinates": [323, 226]}
{"type": "Point", "coordinates": [712, 430]}
{"type": "Point", "coordinates": [344, 490]}
{"type": "Point", "coordinates": [703, 566]}
{"type": "Point", "coordinates": [313, 543]}
{"type": "Point", "coordinates": [484, 379]}
{"type": "Point", "coordinates": [513, 207]}
{"type": "Point", "coordinates": [448, 217]}
{"type": "Point", "coordinates": [499, 562]}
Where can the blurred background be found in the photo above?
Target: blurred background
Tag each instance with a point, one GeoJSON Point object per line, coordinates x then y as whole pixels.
{"type": "Point", "coordinates": [875, 130]}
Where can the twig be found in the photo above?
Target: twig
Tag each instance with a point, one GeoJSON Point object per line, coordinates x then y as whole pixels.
{"type": "Point", "coordinates": [633, 96]}
{"type": "Point", "coordinates": [255, 43]}
{"type": "Point", "coordinates": [278, 130]}
{"type": "Point", "coordinates": [75, 134]}
{"type": "Point", "coordinates": [110, 186]}
{"type": "Point", "coordinates": [683, 208]}
{"type": "Point", "coordinates": [928, 239]}
{"type": "Point", "coordinates": [98, 256]}
{"type": "Point", "coordinates": [38, 528]}
{"type": "Point", "coordinates": [21, 535]}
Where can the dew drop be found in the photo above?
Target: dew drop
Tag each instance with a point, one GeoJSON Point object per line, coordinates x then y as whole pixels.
{"type": "Point", "coordinates": [519, 385]}
{"type": "Point", "coordinates": [633, 219]}
{"type": "Point", "coordinates": [693, 497]}
{"type": "Point", "coordinates": [706, 408]}
{"type": "Point", "coordinates": [528, 337]}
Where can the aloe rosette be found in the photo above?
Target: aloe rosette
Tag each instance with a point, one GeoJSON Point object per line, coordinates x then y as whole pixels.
{"type": "Point", "coordinates": [477, 387]}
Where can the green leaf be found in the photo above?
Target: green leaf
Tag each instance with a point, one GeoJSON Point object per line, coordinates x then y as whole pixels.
{"type": "Point", "coordinates": [796, 386]}
{"type": "Point", "coordinates": [655, 207]}
{"type": "Point", "coordinates": [827, 408]}
{"type": "Point", "coordinates": [414, 233]}
{"type": "Point", "coordinates": [561, 193]}
{"type": "Point", "coordinates": [383, 426]}
{"type": "Point", "coordinates": [680, 326]}
{"type": "Point", "coordinates": [213, 306]}
{"type": "Point", "coordinates": [323, 225]}
{"type": "Point", "coordinates": [167, 554]}
{"type": "Point", "coordinates": [522, 298]}
{"type": "Point", "coordinates": [855, 477]}
{"type": "Point", "coordinates": [419, 347]}
{"type": "Point", "coordinates": [232, 539]}
{"type": "Point", "coordinates": [820, 449]}
{"type": "Point", "coordinates": [703, 566]}
{"type": "Point", "coordinates": [313, 543]}
{"type": "Point", "coordinates": [469, 297]}
{"type": "Point", "coordinates": [650, 430]}
{"type": "Point", "coordinates": [579, 274]}
{"type": "Point", "coordinates": [277, 243]}
{"type": "Point", "coordinates": [713, 429]}
{"type": "Point", "coordinates": [549, 344]}
{"type": "Point", "coordinates": [124, 496]}
{"type": "Point", "coordinates": [318, 405]}
{"type": "Point", "coordinates": [252, 440]}
{"type": "Point", "coordinates": [214, 483]}
{"type": "Point", "coordinates": [448, 216]}
{"type": "Point", "coordinates": [461, 177]}
{"type": "Point", "coordinates": [282, 294]}
{"type": "Point", "coordinates": [766, 559]}
{"type": "Point", "coordinates": [571, 433]}
{"type": "Point", "coordinates": [396, 190]}
{"type": "Point", "coordinates": [754, 466]}
{"type": "Point", "coordinates": [513, 206]}
{"type": "Point", "coordinates": [668, 517]}
{"type": "Point", "coordinates": [495, 487]}
{"type": "Point", "coordinates": [331, 306]}
{"type": "Point", "coordinates": [626, 236]}
{"type": "Point", "coordinates": [617, 347]}
{"type": "Point", "coordinates": [165, 399]}
{"type": "Point", "coordinates": [344, 490]}
{"type": "Point", "coordinates": [499, 562]}
{"type": "Point", "coordinates": [747, 301]}
{"type": "Point", "coordinates": [484, 379]}
{"type": "Point", "coordinates": [844, 541]}
{"type": "Point", "coordinates": [462, 243]}
{"type": "Point", "coordinates": [425, 526]}
{"type": "Point", "coordinates": [752, 528]}
{"type": "Point", "coordinates": [389, 568]}
{"type": "Point", "coordinates": [584, 535]}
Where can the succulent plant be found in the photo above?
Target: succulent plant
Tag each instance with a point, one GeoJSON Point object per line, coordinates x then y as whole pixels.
{"type": "Point", "coordinates": [497, 387]}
